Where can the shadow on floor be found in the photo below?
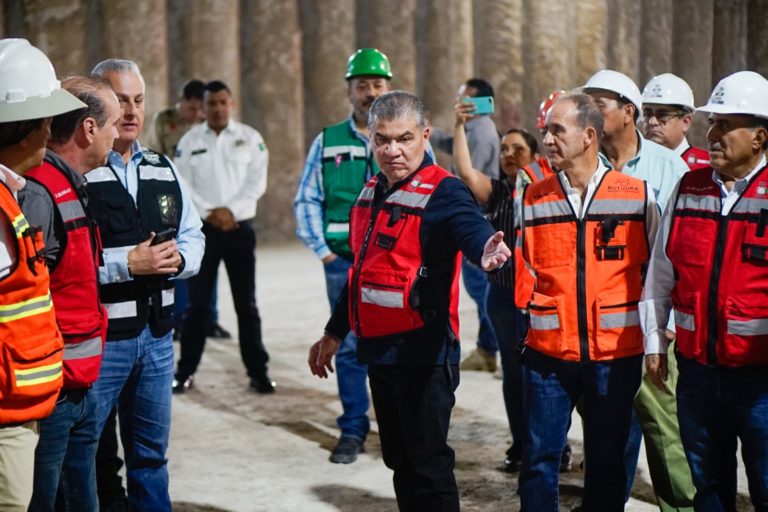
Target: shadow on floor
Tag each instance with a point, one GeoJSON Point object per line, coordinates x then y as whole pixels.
{"type": "Point", "coordinates": [351, 499]}
{"type": "Point", "coordinates": [182, 506]}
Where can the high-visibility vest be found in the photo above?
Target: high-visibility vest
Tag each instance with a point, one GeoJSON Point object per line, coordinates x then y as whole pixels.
{"type": "Point", "coordinates": [143, 300]}
{"type": "Point", "coordinates": [30, 343]}
{"type": "Point", "coordinates": [389, 273]}
{"type": "Point", "coordinates": [588, 271]}
{"type": "Point", "coordinates": [721, 263]}
{"type": "Point", "coordinates": [524, 280]}
{"type": "Point", "coordinates": [695, 158]}
{"type": "Point", "coordinates": [347, 165]}
{"type": "Point", "coordinates": [74, 280]}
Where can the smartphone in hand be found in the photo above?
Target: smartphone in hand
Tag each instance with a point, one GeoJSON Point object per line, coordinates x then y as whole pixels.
{"type": "Point", "coordinates": [163, 236]}
{"type": "Point", "coordinates": [483, 104]}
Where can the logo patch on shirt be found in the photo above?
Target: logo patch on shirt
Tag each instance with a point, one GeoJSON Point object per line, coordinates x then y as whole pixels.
{"type": "Point", "coordinates": [239, 143]}
{"type": "Point", "coordinates": [262, 146]}
{"type": "Point", "coordinates": [762, 188]}
{"type": "Point", "coordinates": [152, 158]}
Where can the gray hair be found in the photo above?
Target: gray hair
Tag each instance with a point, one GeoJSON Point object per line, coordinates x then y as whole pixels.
{"type": "Point", "coordinates": [89, 90]}
{"type": "Point", "coordinates": [396, 105]}
{"type": "Point", "coordinates": [588, 114]}
{"type": "Point", "coordinates": [105, 67]}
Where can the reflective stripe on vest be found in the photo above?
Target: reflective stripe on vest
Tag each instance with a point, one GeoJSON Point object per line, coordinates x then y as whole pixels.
{"type": "Point", "coordinates": [383, 298]}
{"type": "Point", "coordinates": [20, 224]}
{"type": "Point", "coordinates": [83, 349]}
{"type": "Point", "coordinates": [720, 294]}
{"type": "Point", "coordinates": [25, 308]}
{"type": "Point", "coordinates": [353, 151]}
{"type": "Point", "coordinates": [38, 375]}
{"type": "Point", "coordinates": [128, 309]}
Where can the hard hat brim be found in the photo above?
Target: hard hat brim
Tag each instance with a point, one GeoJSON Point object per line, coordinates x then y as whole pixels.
{"type": "Point", "coordinates": [59, 102]}
{"type": "Point", "coordinates": [724, 109]}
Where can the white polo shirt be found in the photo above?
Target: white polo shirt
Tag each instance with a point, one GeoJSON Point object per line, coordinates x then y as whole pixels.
{"type": "Point", "coordinates": [225, 170]}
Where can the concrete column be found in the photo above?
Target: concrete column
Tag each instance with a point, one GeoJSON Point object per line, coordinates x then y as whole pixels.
{"type": "Point", "coordinates": [137, 31]}
{"type": "Point", "coordinates": [656, 39]}
{"type": "Point", "coordinates": [272, 92]}
{"type": "Point", "coordinates": [498, 30]}
{"type": "Point", "coordinates": [730, 31]}
{"type": "Point", "coordinates": [58, 28]}
{"type": "Point", "coordinates": [328, 37]}
{"type": "Point", "coordinates": [394, 36]}
{"type": "Point", "coordinates": [757, 46]}
{"type": "Point", "coordinates": [3, 30]}
{"type": "Point", "coordinates": [592, 39]}
{"type": "Point", "coordinates": [624, 22]}
{"type": "Point", "coordinates": [548, 62]}
{"type": "Point", "coordinates": [210, 42]}
{"type": "Point", "coordinates": [447, 59]}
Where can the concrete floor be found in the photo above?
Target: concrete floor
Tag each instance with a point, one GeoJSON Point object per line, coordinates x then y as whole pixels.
{"type": "Point", "coordinates": [234, 450]}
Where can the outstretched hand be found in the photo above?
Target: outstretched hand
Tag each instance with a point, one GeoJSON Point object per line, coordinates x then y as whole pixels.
{"type": "Point", "coordinates": [495, 253]}
{"type": "Point", "coordinates": [321, 354]}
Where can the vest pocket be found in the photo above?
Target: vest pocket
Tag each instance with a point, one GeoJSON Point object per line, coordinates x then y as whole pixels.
{"type": "Point", "coordinates": [556, 247]}
{"type": "Point", "coordinates": [746, 331]}
{"type": "Point", "coordinates": [35, 370]}
{"type": "Point", "coordinates": [617, 322]}
{"type": "Point", "coordinates": [382, 304]}
{"type": "Point", "coordinates": [754, 248]}
{"type": "Point", "coordinates": [546, 324]}
{"type": "Point", "coordinates": [685, 308]}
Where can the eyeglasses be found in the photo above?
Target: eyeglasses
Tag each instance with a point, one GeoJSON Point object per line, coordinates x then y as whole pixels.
{"type": "Point", "coordinates": [663, 116]}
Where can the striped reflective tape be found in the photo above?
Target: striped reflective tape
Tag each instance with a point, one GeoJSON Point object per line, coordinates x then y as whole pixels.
{"type": "Point", "coordinates": [167, 297]}
{"type": "Point", "coordinates": [121, 309]}
{"type": "Point", "coordinates": [367, 194]}
{"type": "Point", "coordinates": [698, 202]}
{"type": "Point", "coordinates": [20, 225]}
{"type": "Point", "coordinates": [11, 312]}
{"type": "Point", "coordinates": [383, 298]}
{"type": "Point", "coordinates": [38, 375]}
{"type": "Point", "coordinates": [546, 209]}
{"type": "Point", "coordinates": [619, 320]}
{"type": "Point", "coordinates": [545, 322]}
{"type": "Point", "coordinates": [535, 168]}
{"type": "Point", "coordinates": [409, 199]}
{"type": "Point", "coordinates": [153, 172]}
{"type": "Point", "coordinates": [337, 227]}
{"type": "Point", "coordinates": [754, 327]}
{"type": "Point", "coordinates": [617, 206]}
{"type": "Point", "coordinates": [751, 205]}
{"type": "Point", "coordinates": [353, 151]}
{"type": "Point", "coordinates": [84, 349]}
{"type": "Point", "coordinates": [684, 321]}
{"type": "Point", "coordinates": [71, 210]}
{"type": "Point", "coordinates": [100, 175]}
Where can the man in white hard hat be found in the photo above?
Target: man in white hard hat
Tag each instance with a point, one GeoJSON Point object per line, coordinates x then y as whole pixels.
{"type": "Point", "coordinates": [30, 342]}
{"type": "Point", "coordinates": [625, 149]}
{"type": "Point", "coordinates": [667, 116]}
{"type": "Point", "coordinates": [710, 263]}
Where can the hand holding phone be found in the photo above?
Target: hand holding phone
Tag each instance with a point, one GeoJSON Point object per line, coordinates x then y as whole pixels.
{"type": "Point", "coordinates": [483, 104]}
{"type": "Point", "coordinates": [163, 236]}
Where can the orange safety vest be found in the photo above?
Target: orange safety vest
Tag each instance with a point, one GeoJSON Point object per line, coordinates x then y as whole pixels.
{"type": "Point", "coordinates": [524, 280]}
{"type": "Point", "coordinates": [31, 346]}
{"type": "Point", "coordinates": [588, 271]}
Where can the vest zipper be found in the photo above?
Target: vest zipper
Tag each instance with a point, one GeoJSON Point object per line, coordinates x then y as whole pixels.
{"type": "Point", "coordinates": [581, 289]}
{"type": "Point", "coordinates": [714, 285]}
{"type": "Point", "coordinates": [359, 266]}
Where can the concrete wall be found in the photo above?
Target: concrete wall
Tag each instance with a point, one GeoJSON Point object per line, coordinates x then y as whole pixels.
{"type": "Point", "coordinates": [285, 59]}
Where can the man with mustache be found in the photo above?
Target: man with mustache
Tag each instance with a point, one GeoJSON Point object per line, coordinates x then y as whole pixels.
{"type": "Point", "coordinates": [710, 263]}
{"type": "Point", "coordinates": [338, 164]}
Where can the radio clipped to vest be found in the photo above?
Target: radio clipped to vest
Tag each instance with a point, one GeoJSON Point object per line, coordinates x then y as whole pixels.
{"type": "Point", "coordinates": [610, 239]}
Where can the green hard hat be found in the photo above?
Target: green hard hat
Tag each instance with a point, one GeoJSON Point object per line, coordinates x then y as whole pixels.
{"type": "Point", "coordinates": [368, 61]}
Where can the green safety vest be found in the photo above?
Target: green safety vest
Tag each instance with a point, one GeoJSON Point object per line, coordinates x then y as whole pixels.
{"type": "Point", "coordinates": [346, 165]}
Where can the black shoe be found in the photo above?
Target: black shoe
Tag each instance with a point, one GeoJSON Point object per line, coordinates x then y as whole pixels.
{"type": "Point", "coordinates": [217, 331]}
{"type": "Point", "coordinates": [116, 504]}
{"type": "Point", "coordinates": [263, 384]}
{"type": "Point", "coordinates": [181, 385]}
{"type": "Point", "coordinates": [346, 450]}
{"type": "Point", "coordinates": [566, 461]}
{"type": "Point", "coordinates": [513, 461]}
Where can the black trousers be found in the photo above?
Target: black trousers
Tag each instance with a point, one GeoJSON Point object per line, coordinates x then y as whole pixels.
{"type": "Point", "coordinates": [413, 408]}
{"type": "Point", "coordinates": [237, 249]}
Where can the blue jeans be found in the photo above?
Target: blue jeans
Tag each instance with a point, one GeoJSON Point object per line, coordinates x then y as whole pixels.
{"type": "Point", "coordinates": [350, 374]}
{"type": "Point", "coordinates": [510, 326]}
{"type": "Point", "coordinates": [136, 374]}
{"type": "Point", "coordinates": [715, 406]}
{"type": "Point", "coordinates": [476, 283]}
{"type": "Point", "coordinates": [552, 387]}
{"type": "Point", "coordinates": [65, 466]}
{"type": "Point", "coordinates": [181, 303]}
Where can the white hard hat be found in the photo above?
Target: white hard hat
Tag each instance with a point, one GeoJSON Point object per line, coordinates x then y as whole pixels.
{"type": "Point", "coordinates": [28, 85]}
{"type": "Point", "coordinates": [744, 92]}
{"type": "Point", "coordinates": [619, 83]}
{"type": "Point", "coordinates": [668, 89]}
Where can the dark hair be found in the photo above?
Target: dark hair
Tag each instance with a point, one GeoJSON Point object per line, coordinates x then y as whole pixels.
{"type": "Point", "coordinates": [483, 87]}
{"type": "Point", "coordinates": [394, 105]}
{"type": "Point", "coordinates": [529, 139]}
{"type": "Point", "coordinates": [216, 86]}
{"type": "Point", "coordinates": [89, 90]}
{"type": "Point", "coordinates": [193, 89]}
{"type": "Point", "coordinates": [588, 114]}
{"type": "Point", "coordinates": [625, 101]}
{"type": "Point", "coordinates": [13, 132]}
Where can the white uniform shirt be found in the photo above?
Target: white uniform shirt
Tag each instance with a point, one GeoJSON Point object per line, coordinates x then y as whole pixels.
{"type": "Point", "coordinates": [225, 170]}
{"type": "Point", "coordinates": [7, 236]}
{"type": "Point", "coordinates": [656, 301]}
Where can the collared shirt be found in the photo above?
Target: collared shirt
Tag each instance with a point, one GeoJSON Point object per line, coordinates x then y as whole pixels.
{"type": "Point", "coordinates": [225, 170]}
{"type": "Point", "coordinates": [190, 239]}
{"type": "Point", "coordinates": [656, 302]}
{"type": "Point", "coordinates": [309, 202]}
{"type": "Point", "coordinates": [7, 243]}
{"type": "Point", "coordinates": [660, 167]}
{"type": "Point", "coordinates": [682, 147]}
